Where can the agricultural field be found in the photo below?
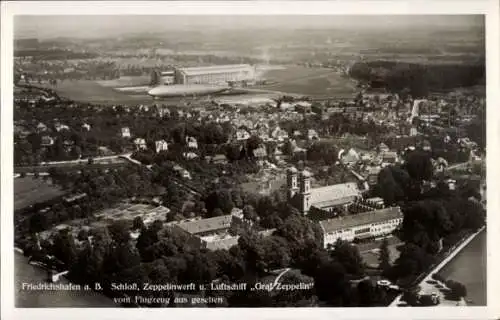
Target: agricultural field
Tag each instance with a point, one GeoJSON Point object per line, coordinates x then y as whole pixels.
{"type": "Point", "coordinates": [29, 190]}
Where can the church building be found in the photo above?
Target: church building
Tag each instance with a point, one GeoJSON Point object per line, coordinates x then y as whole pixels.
{"type": "Point", "coordinates": [326, 199]}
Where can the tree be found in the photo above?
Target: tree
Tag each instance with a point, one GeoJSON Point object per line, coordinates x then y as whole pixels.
{"type": "Point", "coordinates": [369, 294]}
{"type": "Point", "coordinates": [138, 224]}
{"type": "Point", "coordinates": [249, 213]}
{"type": "Point", "coordinates": [419, 165]}
{"type": "Point", "coordinates": [64, 247]}
{"type": "Point", "coordinates": [348, 255]}
{"type": "Point", "coordinates": [276, 252]}
{"type": "Point", "coordinates": [330, 283]}
{"type": "Point", "coordinates": [147, 238]}
{"type": "Point", "coordinates": [120, 231]}
{"type": "Point", "coordinates": [219, 199]}
{"type": "Point", "coordinates": [253, 143]}
{"type": "Point", "coordinates": [410, 297]}
{"type": "Point", "coordinates": [392, 185]}
{"type": "Point", "coordinates": [217, 212]}
{"type": "Point", "coordinates": [458, 290]}
{"type": "Point", "coordinates": [411, 262]}
{"type": "Point", "coordinates": [384, 256]}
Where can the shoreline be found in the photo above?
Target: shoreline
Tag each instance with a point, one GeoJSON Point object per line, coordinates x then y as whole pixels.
{"type": "Point", "coordinates": [442, 264]}
{"type": "Point", "coordinates": [34, 273]}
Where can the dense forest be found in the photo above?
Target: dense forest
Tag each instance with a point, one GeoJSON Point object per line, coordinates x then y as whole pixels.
{"type": "Point", "coordinates": [418, 79]}
{"type": "Point", "coordinates": [54, 54]}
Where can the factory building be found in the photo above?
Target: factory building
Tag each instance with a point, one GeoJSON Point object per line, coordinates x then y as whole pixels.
{"type": "Point", "coordinates": [221, 74]}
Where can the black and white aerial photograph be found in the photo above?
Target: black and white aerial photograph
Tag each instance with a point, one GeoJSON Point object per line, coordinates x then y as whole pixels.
{"type": "Point", "coordinates": [228, 161]}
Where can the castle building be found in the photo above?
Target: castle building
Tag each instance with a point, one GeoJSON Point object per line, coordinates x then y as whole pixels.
{"type": "Point", "coordinates": [214, 233]}
{"type": "Point", "coordinates": [329, 198]}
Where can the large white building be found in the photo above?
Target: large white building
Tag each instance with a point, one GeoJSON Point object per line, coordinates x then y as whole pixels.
{"type": "Point", "coordinates": [221, 74]}
{"type": "Point", "coordinates": [376, 223]}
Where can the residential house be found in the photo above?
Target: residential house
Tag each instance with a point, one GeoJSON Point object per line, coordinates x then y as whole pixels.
{"type": "Point", "coordinates": [161, 145]}
{"type": "Point", "coordinates": [382, 147]}
{"type": "Point", "coordinates": [426, 145]}
{"type": "Point", "coordinates": [371, 174]}
{"type": "Point", "coordinates": [183, 173]}
{"type": "Point", "coordinates": [219, 159]}
{"type": "Point", "coordinates": [21, 131]}
{"type": "Point", "coordinates": [279, 134]}
{"type": "Point", "coordinates": [260, 153]}
{"type": "Point", "coordinates": [389, 157]}
{"type": "Point", "coordinates": [59, 127]}
{"type": "Point", "coordinates": [304, 106]}
{"type": "Point", "coordinates": [350, 157]}
{"type": "Point", "coordinates": [189, 155]}
{"type": "Point", "coordinates": [413, 131]}
{"type": "Point", "coordinates": [125, 132]}
{"type": "Point", "coordinates": [140, 144]}
{"type": "Point", "coordinates": [86, 126]}
{"type": "Point", "coordinates": [41, 127]}
{"type": "Point", "coordinates": [47, 141]}
{"type": "Point", "coordinates": [242, 135]}
{"type": "Point", "coordinates": [192, 143]}
{"type": "Point", "coordinates": [333, 110]}
{"type": "Point", "coordinates": [279, 155]}
{"type": "Point", "coordinates": [312, 134]}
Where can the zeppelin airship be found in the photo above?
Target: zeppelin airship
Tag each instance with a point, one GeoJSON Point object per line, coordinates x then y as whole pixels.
{"type": "Point", "coordinates": [186, 90]}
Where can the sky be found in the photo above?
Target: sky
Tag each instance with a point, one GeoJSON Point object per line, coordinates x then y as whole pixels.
{"type": "Point", "coordinates": [106, 25]}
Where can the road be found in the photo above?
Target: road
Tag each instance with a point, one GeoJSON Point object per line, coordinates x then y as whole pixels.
{"type": "Point", "coordinates": [96, 163]}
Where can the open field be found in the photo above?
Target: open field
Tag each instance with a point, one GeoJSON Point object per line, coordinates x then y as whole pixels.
{"type": "Point", "coordinates": [315, 82]}
{"type": "Point", "coordinates": [127, 81]}
{"type": "Point", "coordinates": [28, 191]}
{"type": "Point", "coordinates": [91, 91]}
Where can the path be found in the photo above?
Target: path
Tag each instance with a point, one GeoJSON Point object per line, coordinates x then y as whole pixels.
{"type": "Point", "coordinates": [276, 281]}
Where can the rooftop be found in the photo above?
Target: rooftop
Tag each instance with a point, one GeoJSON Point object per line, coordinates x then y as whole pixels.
{"type": "Point", "coordinates": [213, 69]}
{"type": "Point", "coordinates": [334, 192]}
{"type": "Point", "coordinates": [204, 225]}
{"type": "Point", "coordinates": [361, 219]}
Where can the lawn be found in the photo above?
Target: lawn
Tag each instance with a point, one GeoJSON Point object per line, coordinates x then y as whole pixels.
{"type": "Point", "coordinates": [369, 252]}
{"type": "Point", "coordinates": [28, 191]}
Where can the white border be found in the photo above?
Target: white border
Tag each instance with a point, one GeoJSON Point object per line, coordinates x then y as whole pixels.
{"type": "Point", "coordinates": [259, 8]}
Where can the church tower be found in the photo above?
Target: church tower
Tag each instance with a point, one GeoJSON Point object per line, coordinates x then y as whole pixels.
{"type": "Point", "coordinates": [292, 182]}
{"type": "Point", "coordinates": [305, 191]}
